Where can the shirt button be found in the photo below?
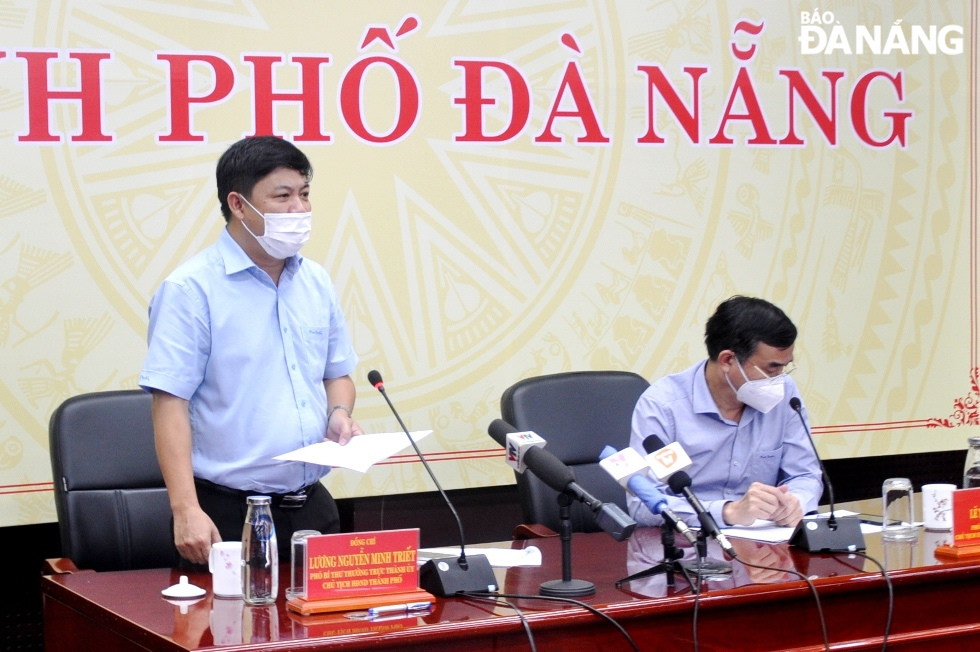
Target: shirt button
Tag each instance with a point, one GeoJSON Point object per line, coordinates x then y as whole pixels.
{"type": "Point", "coordinates": [303, 403]}
{"type": "Point", "coordinates": [293, 367]}
{"type": "Point", "coordinates": [735, 462]}
{"type": "Point", "coordinates": [285, 329]}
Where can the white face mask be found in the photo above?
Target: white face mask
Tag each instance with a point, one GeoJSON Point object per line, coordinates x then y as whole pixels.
{"type": "Point", "coordinates": [763, 394]}
{"type": "Point", "coordinates": [285, 233]}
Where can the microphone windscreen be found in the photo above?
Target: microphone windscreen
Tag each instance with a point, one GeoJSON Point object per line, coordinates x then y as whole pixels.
{"type": "Point", "coordinates": [795, 403]}
{"type": "Point", "coordinates": [374, 377]}
{"type": "Point", "coordinates": [498, 431]}
{"type": "Point", "coordinates": [552, 471]}
{"type": "Point", "coordinates": [652, 443]}
{"type": "Point", "coordinates": [679, 481]}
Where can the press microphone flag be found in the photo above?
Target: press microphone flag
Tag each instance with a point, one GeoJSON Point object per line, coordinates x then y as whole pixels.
{"type": "Point", "coordinates": [445, 577]}
{"type": "Point", "coordinates": [518, 444]}
{"type": "Point", "coordinates": [666, 460]}
{"type": "Point", "coordinates": [622, 465]}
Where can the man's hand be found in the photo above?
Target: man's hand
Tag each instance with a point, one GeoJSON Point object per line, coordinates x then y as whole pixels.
{"type": "Point", "coordinates": [194, 532]}
{"type": "Point", "coordinates": [341, 427]}
{"type": "Point", "coordinates": [765, 502]}
{"type": "Point", "coordinates": [790, 510]}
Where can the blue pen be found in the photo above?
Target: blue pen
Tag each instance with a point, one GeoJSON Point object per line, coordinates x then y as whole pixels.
{"type": "Point", "coordinates": [399, 608]}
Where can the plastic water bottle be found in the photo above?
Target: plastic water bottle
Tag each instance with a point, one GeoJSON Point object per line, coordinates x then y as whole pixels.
{"type": "Point", "coordinates": [260, 554]}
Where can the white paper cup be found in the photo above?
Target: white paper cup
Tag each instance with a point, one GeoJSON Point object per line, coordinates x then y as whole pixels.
{"type": "Point", "coordinates": [225, 564]}
{"type": "Point", "coordinates": [937, 506]}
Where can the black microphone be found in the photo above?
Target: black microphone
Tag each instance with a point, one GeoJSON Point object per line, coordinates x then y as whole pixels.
{"type": "Point", "coordinates": [832, 535]}
{"type": "Point", "coordinates": [442, 577]}
{"type": "Point", "coordinates": [556, 474]}
{"type": "Point", "coordinates": [797, 406]}
{"type": "Point", "coordinates": [680, 483]}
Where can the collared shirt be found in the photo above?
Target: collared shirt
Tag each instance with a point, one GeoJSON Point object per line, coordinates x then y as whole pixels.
{"type": "Point", "coordinates": [727, 457]}
{"type": "Point", "coordinates": [251, 358]}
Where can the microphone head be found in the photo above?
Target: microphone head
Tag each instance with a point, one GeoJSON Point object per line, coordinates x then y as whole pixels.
{"type": "Point", "coordinates": [679, 481]}
{"type": "Point", "coordinates": [549, 469]}
{"type": "Point", "coordinates": [795, 403]}
{"type": "Point", "coordinates": [374, 377]}
{"type": "Point", "coordinates": [652, 443]}
{"type": "Point", "coordinates": [498, 431]}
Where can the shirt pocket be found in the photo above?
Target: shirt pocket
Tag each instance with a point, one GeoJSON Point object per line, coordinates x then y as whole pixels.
{"type": "Point", "coordinates": [316, 347]}
{"type": "Point", "coordinates": [765, 466]}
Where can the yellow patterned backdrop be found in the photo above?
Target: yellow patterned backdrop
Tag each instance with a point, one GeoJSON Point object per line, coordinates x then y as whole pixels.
{"type": "Point", "coordinates": [466, 266]}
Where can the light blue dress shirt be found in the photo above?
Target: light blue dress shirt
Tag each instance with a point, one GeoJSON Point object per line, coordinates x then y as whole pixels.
{"type": "Point", "coordinates": [250, 357]}
{"type": "Point", "coordinates": [727, 457]}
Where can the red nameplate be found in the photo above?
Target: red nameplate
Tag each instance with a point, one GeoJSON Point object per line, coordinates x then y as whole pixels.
{"type": "Point", "coordinates": [362, 564]}
{"type": "Point", "coordinates": [966, 517]}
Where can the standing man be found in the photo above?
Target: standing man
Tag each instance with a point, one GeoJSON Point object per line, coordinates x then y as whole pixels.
{"type": "Point", "coordinates": [731, 414]}
{"type": "Point", "coordinates": [249, 358]}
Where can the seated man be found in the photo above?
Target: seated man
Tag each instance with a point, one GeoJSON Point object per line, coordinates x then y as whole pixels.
{"type": "Point", "coordinates": [751, 457]}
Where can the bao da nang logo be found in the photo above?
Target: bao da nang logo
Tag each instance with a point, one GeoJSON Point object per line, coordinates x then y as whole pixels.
{"type": "Point", "coordinates": [822, 33]}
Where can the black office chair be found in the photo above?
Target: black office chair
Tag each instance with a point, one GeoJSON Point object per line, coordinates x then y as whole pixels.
{"type": "Point", "coordinates": [110, 498]}
{"type": "Point", "coordinates": [577, 413]}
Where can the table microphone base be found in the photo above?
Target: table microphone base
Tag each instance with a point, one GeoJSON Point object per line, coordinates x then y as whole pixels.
{"type": "Point", "coordinates": [446, 578]}
{"type": "Point", "coordinates": [567, 588]}
{"type": "Point", "coordinates": [815, 534]}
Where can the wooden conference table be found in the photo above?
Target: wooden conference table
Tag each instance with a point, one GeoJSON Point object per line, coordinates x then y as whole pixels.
{"type": "Point", "coordinates": [937, 606]}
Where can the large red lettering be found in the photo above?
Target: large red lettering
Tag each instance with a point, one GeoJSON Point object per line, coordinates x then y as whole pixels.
{"type": "Point", "coordinates": [180, 92]}
{"type": "Point", "coordinates": [406, 106]}
{"type": "Point", "coordinates": [308, 96]}
{"type": "Point", "coordinates": [826, 122]}
{"type": "Point", "coordinates": [584, 110]}
{"type": "Point", "coordinates": [88, 95]}
{"type": "Point", "coordinates": [473, 102]}
{"type": "Point", "coordinates": [689, 120]}
{"type": "Point", "coordinates": [859, 110]}
{"type": "Point", "coordinates": [743, 87]}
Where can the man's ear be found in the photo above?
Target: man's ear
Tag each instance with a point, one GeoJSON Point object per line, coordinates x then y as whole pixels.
{"type": "Point", "coordinates": [236, 205]}
{"type": "Point", "coordinates": [726, 359]}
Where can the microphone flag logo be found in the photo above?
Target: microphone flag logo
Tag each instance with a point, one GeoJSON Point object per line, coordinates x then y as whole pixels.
{"type": "Point", "coordinates": [511, 452]}
{"type": "Point", "coordinates": [666, 456]}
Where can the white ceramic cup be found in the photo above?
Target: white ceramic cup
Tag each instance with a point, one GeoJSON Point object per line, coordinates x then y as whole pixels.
{"type": "Point", "coordinates": [937, 506]}
{"type": "Point", "coordinates": [225, 564]}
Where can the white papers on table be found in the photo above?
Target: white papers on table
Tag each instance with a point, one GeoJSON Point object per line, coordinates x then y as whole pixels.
{"type": "Point", "coordinates": [763, 530]}
{"type": "Point", "coordinates": [498, 557]}
{"type": "Point", "coordinates": [359, 454]}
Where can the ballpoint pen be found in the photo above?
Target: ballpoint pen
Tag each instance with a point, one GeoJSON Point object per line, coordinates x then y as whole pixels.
{"type": "Point", "coordinates": [396, 608]}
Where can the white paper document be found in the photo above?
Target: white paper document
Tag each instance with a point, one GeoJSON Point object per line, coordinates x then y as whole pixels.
{"type": "Point", "coordinates": [359, 454]}
{"type": "Point", "coordinates": [498, 557]}
{"type": "Point", "coordinates": [768, 531]}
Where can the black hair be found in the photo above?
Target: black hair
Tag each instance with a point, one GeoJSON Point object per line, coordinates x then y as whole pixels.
{"type": "Point", "coordinates": [740, 323]}
{"type": "Point", "coordinates": [250, 160]}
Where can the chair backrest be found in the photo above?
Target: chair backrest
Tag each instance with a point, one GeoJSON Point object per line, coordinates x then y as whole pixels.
{"type": "Point", "coordinates": [112, 505]}
{"type": "Point", "coordinates": [578, 414]}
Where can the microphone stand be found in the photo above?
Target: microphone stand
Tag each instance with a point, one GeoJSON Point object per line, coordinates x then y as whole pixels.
{"type": "Point", "coordinates": [566, 587]}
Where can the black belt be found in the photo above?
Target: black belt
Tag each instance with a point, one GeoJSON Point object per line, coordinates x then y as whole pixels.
{"type": "Point", "coordinates": [290, 500]}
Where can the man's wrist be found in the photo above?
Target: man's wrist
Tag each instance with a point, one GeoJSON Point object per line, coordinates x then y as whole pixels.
{"type": "Point", "coordinates": [339, 407]}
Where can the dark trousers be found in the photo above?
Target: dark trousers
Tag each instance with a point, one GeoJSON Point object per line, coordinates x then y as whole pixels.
{"type": "Point", "coordinates": [228, 507]}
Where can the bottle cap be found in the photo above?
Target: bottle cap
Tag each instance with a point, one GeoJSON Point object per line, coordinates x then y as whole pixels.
{"type": "Point", "coordinates": [259, 500]}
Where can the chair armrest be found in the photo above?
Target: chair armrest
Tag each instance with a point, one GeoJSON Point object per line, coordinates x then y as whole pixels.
{"type": "Point", "coordinates": [59, 566]}
{"type": "Point", "coordinates": [532, 531]}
